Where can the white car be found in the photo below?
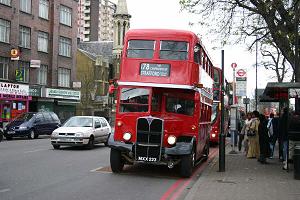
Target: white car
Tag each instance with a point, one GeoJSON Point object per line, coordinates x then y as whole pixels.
{"type": "Point", "coordinates": [81, 131]}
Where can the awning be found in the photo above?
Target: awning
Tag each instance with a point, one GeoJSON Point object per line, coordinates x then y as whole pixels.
{"type": "Point", "coordinates": [277, 92]}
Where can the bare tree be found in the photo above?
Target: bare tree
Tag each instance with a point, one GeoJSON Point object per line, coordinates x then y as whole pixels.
{"type": "Point", "coordinates": [242, 18]}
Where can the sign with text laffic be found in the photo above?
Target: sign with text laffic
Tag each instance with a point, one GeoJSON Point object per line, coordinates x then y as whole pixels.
{"type": "Point", "coordinates": [241, 83]}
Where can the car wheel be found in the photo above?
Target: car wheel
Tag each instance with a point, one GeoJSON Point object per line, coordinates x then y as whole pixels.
{"type": "Point", "coordinates": [116, 161]}
{"type": "Point", "coordinates": [91, 143]}
{"type": "Point", "coordinates": [187, 164]}
{"type": "Point", "coordinates": [1, 136]}
{"type": "Point", "coordinates": [55, 146]}
{"type": "Point", "coordinates": [31, 135]}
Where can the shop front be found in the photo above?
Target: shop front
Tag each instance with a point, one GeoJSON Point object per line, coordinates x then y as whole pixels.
{"type": "Point", "coordinates": [14, 100]}
{"type": "Point", "coordinates": [64, 102]}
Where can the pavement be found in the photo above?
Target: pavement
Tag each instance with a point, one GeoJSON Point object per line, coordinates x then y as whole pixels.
{"type": "Point", "coordinates": [245, 179]}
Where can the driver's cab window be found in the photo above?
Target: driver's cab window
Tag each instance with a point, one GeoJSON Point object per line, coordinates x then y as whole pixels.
{"type": "Point", "coordinates": [97, 123]}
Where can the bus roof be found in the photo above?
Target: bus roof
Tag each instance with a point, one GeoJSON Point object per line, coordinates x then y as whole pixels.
{"type": "Point", "coordinates": [160, 33]}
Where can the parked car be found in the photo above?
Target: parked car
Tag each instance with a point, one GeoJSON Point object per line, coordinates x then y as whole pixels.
{"type": "Point", "coordinates": [81, 131]}
{"type": "Point", "coordinates": [32, 125]}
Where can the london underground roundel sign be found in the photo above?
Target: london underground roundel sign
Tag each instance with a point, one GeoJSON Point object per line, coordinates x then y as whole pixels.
{"type": "Point", "coordinates": [241, 73]}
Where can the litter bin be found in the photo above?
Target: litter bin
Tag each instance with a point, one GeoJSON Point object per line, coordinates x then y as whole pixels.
{"type": "Point", "coordinates": [296, 160]}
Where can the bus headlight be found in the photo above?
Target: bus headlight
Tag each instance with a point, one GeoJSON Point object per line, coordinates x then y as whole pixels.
{"type": "Point", "coordinates": [127, 136]}
{"type": "Point", "coordinates": [213, 135]}
{"type": "Point", "coordinates": [171, 140]}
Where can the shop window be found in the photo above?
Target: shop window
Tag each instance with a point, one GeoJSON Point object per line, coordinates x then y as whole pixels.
{"type": "Point", "coordinates": [4, 68]}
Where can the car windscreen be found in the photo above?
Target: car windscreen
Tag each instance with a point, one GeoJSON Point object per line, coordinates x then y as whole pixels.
{"type": "Point", "coordinates": [24, 117]}
{"type": "Point", "coordinates": [79, 122]}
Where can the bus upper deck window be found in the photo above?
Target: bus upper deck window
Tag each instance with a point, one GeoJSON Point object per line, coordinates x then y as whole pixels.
{"type": "Point", "coordinates": [173, 50]}
{"type": "Point", "coordinates": [140, 49]}
{"type": "Point", "coordinates": [197, 51]}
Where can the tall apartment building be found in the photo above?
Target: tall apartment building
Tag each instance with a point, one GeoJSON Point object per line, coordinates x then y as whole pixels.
{"type": "Point", "coordinates": [38, 45]}
{"type": "Point", "coordinates": [95, 20]}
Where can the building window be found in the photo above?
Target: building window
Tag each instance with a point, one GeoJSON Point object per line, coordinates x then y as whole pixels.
{"type": "Point", "coordinates": [64, 77]}
{"type": "Point", "coordinates": [4, 68]}
{"type": "Point", "coordinates": [6, 2]}
{"type": "Point", "coordinates": [42, 75]}
{"type": "Point", "coordinates": [23, 74]}
{"type": "Point", "coordinates": [43, 9]}
{"type": "Point", "coordinates": [65, 15]}
{"type": "Point", "coordinates": [65, 46]}
{"type": "Point", "coordinates": [25, 6]}
{"type": "Point", "coordinates": [43, 41]}
{"type": "Point", "coordinates": [24, 37]}
{"type": "Point", "coordinates": [4, 30]}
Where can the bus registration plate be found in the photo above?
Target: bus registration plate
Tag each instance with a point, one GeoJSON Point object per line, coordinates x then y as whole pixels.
{"type": "Point", "coordinates": [147, 159]}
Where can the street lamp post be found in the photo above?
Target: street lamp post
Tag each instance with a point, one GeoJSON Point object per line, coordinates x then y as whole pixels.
{"type": "Point", "coordinates": [256, 74]}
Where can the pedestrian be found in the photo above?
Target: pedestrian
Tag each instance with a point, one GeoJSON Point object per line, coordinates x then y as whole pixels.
{"type": "Point", "coordinates": [246, 129]}
{"type": "Point", "coordinates": [241, 130]}
{"type": "Point", "coordinates": [253, 137]}
{"type": "Point", "coordinates": [283, 129]}
{"type": "Point", "coordinates": [273, 127]}
{"type": "Point", "coordinates": [264, 145]}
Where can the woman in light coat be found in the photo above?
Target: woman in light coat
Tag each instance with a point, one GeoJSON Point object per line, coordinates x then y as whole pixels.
{"type": "Point", "coordinates": [253, 151]}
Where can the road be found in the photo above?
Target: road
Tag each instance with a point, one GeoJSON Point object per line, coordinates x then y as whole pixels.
{"type": "Point", "coordinates": [32, 169]}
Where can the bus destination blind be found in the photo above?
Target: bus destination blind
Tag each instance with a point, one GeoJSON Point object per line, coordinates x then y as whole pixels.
{"type": "Point", "coordinates": [154, 69]}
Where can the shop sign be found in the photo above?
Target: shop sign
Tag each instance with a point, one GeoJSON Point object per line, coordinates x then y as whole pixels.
{"type": "Point", "coordinates": [34, 91]}
{"type": "Point", "coordinates": [63, 94]}
{"type": "Point", "coordinates": [14, 89]}
{"type": "Point", "coordinates": [35, 63]}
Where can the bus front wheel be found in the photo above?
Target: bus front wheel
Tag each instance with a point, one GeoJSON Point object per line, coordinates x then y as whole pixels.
{"type": "Point", "coordinates": [187, 164]}
{"type": "Point", "coordinates": [116, 161]}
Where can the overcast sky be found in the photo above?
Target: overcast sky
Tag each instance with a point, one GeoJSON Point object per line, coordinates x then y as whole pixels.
{"type": "Point", "coordinates": [167, 14]}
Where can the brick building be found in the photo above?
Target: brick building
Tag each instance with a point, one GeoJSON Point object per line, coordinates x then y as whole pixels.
{"type": "Point", "coordinates": [44, 33]}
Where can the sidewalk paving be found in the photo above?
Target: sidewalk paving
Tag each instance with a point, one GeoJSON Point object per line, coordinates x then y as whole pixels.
{"type": "Point", "coordinates": [245, 179]}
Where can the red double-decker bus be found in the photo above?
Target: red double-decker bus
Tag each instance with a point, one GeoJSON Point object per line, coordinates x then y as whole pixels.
{"type": "Point", "coordinates": [164, 99]}
{"type": "Point", "coordinates": [216, 108]}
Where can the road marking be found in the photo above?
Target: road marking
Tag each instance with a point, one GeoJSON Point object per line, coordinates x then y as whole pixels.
{"type": "Point", "coordinates": [36, 150]}
{"type": "Point", "coordinates": [5, 190]}
{"type": "Point", "coordinates": [179, 185]}
{"type": "Point", "coordinates": [98, 169]}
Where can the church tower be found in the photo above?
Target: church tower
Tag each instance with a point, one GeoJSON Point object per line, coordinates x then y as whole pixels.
{"type": "Point", "coordinates": [121, 26]}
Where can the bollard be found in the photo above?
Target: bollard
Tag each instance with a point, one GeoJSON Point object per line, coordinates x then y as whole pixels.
{"type": "Point", "coordinates": [296, 160]}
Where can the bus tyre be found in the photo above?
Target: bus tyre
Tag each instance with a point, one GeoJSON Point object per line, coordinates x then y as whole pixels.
{"type": "Point", "coordinates": [116, 162]}
{"type": "Point", "coordinates": [187, 164]}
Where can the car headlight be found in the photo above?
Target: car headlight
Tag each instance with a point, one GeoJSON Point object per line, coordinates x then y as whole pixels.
{"type": "Point", "coordinates": [127, 136]}
{"type": "Point", "coordinates": [22, 127]}
{"type": "Point", "coordinates": [171, 140]}
{"type": "Point", "coordinates": [78, 134]}
{"type": "Point", "coordinates": [54, 134]}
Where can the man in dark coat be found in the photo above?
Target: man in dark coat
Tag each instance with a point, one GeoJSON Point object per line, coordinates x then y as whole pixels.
{"type": "Point", "coordinates": [283, 129]}
{"type": "Point", "coordinates": [264, 139]}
